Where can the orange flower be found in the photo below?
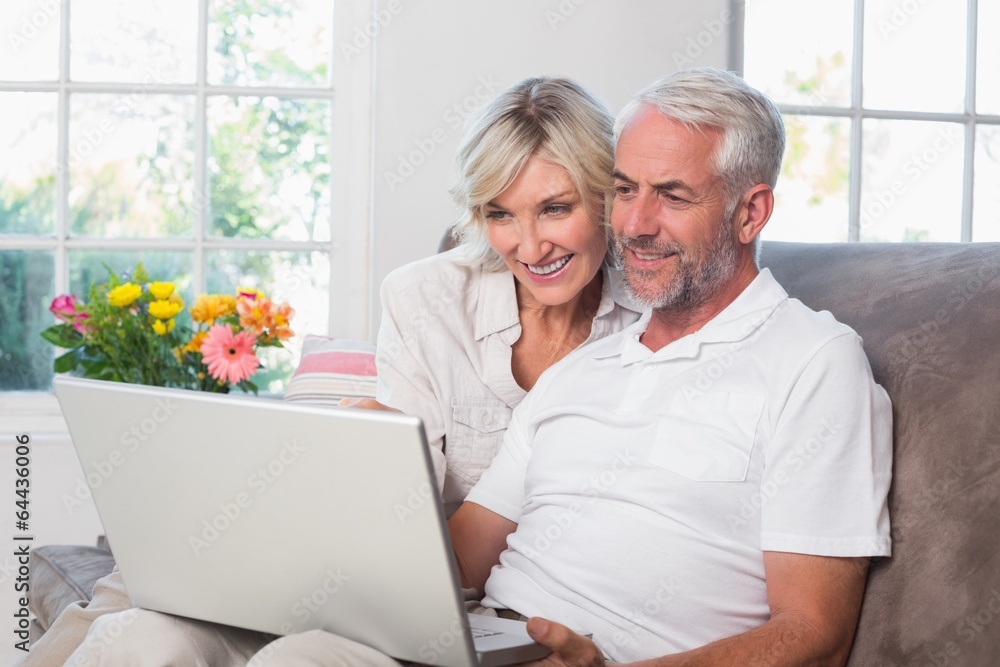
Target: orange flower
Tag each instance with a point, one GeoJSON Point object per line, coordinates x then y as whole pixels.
{"type": "Point", "coordinates": [209, 307]}
{"type": "Point", "coordinates": [265, 319]}
{"type": "Point", "coordinates": [282, 317]}
{"type": "Point", "coordinates": [194, 345]}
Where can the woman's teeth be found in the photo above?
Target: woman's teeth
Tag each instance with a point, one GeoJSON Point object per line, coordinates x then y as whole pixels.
{"type": "Point", "coordinates": [544, 269]}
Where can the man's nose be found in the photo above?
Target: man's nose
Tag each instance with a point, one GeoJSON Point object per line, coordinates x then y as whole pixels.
{"type": "Point", "coordinates": [637, 217]}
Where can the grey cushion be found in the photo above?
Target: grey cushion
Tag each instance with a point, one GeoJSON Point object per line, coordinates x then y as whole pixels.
{"type": "Point", "coordinates": [62, 575]}
{"type": "Point", "coordinates": [929, 315]}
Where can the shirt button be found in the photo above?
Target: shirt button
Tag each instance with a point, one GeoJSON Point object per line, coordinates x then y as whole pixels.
{"type": "Point", "coordinates": [487, 420]}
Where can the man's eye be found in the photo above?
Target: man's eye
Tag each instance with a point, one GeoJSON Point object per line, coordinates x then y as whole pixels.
{"type": "Point", "coordinates": [674, 198]}
{"type": "Point", "coordinates": [623, 190]}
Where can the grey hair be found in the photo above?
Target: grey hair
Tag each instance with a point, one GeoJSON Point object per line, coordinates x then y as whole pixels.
{"type": "Point", "coordinates": [552, 118]}
{"type": "Point", "coordinates": [753, 133]}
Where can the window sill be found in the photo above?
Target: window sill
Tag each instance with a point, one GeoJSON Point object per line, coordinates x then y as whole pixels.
{"type": "Point", "coordinates": [30, 412]}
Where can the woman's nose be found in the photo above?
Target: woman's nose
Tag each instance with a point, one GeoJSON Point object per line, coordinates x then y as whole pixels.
{"type": "Point", "coordinates": [534, 243]}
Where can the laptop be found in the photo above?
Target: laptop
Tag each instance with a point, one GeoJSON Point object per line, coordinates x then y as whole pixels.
{"type": "Point", "coordinates": [280, 517]}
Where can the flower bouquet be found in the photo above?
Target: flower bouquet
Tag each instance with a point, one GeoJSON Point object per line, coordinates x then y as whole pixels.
{"type": "Point", "coordinates": [131, 329]}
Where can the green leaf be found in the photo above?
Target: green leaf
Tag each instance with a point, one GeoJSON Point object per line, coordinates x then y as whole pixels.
{"type": "Point", "coordinates": [94, 367]}
{"type": "Point", "coordinates": [66, 362]}
{"type": "Point", "coordinates": [63, 335]}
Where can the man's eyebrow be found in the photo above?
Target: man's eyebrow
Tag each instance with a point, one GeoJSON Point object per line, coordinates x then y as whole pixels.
{"type": "Point", "coordinates": [673, 185]}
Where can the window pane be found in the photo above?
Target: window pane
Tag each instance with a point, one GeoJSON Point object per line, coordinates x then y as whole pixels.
{"type": "Point", "coordinates": [29, 50]}
{"type": "Point", "coordinates": [270, 42]}
{"type": "Point", "coordinates": [988, 62]}
{"type": "Point", "coordinates": [269, 168]}
{"type": "Point", "coordinates": [300, 279]}
{"type": "Point", "coordinates": [787, 57]}
{"type": "Point", "coordinates": [131, 161]}
{"type": "Point", "coordinates": [986, 198]}
{"type": "Point", "coordinates": [149, 42]}
{"type": "Point", "coordinates": [911, 181]}
{"type": "Point", "coordinates": [915, 55]}
{"type": "Point", "coordinates": [27, 280]}
{"type": "Point", "coordinates": [811, 198]}
{"type": "Point", "coordinates": [27, 163]}
{"type": "Point", "coordinates": [87, 267]}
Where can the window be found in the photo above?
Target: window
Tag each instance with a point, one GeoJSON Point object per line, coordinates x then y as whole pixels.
{"type": "Point", "coordinates": [192, 135]}
{"type": "Point", "coordinates": [892, 113]}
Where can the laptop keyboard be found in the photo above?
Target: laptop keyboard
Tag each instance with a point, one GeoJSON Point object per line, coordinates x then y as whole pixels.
{"type": "Point", "coordinates": [478, 633]}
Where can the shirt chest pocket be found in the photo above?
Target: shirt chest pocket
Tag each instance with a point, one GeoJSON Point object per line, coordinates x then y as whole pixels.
{"type": "Point", "coordinates": [478, 425]}
{"type": "Point", "coordinates": [708, 437]}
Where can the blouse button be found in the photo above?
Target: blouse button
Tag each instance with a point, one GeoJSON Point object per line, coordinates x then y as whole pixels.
{"type": "Point", "coordinates": [487, 420]}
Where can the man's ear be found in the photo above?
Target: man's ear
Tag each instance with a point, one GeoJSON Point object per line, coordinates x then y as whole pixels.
{"type": "Point", "coordinates": [755, 208]}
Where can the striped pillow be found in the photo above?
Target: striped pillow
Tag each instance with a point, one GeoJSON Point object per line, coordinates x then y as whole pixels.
{"type": "Point", "coordinates": [331, 370]}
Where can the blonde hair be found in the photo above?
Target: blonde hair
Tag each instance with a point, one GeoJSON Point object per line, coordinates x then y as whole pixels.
{"type": "Point", "coordinates": [552, 118]}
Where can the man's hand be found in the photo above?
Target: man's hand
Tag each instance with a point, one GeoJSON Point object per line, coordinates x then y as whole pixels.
{"type": "Point", "coordinates": [365, 404]}
{"type": "Point", "coordinates": [568, 648]}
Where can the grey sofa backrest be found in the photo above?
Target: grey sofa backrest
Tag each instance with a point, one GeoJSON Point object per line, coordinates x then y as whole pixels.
{"type": "Point", "coordinates": [929, 315]}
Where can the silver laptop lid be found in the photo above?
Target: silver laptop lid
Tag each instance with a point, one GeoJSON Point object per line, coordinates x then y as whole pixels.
{"type": "Point", "coordinates": [272, 516]}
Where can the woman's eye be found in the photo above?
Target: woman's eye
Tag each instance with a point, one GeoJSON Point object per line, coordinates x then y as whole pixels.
{"type": "Point", "coordinates": [495, 215]}
{"type": "Point", "coordinates": [557, 209]}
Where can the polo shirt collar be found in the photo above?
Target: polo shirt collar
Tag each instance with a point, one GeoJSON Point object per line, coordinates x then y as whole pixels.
{"type": "Point", "coordinates": [736, 322]}
{"type": "Point", "coordinates": [496, 307]}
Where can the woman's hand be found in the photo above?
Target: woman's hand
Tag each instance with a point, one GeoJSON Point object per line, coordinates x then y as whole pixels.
{"type": "Point", "coordinates": [568, 648]}
{"type": "Point", "coordinates": [365, 404]}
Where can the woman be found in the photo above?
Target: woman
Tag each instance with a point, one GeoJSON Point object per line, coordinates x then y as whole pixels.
{"type": "Point", "coordinates": [465, 334]}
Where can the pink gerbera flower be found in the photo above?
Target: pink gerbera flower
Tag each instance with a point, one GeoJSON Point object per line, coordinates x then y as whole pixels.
{"type": "Point", "coordinates": [229, 356]}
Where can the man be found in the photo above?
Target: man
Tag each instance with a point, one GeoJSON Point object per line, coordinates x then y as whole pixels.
{"type": "Point", "coordinates": [706, 487]}
{"type": "Point", "coordinates": [753, 446]}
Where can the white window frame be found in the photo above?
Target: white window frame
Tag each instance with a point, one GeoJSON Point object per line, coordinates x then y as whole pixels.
{"type": "Point", "coordinates": [857, 113]}
{"type": "Point", "coordinates": [351, 94]}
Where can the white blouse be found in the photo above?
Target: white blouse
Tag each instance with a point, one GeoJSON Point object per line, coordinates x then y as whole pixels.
{"type": "Point", "coordinates": [444, 354]}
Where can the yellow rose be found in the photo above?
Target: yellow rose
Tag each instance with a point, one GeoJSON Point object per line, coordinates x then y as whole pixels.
{"type": "Point", "coordinates": [124, 295]}
{"type": "Point", "coordinates": [164, 310]}
{"type": "Point", "coordinates": [161, 291]}
{"type": "Point", "coordinates": [162, 328]}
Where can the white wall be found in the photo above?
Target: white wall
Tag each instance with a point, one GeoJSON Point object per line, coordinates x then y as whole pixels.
{"type": "Point", "coordinates": [434, 60]}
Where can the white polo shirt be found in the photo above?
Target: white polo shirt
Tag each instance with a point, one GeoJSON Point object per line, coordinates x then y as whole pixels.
{"type": "Point", "coordinates": [647, 485]}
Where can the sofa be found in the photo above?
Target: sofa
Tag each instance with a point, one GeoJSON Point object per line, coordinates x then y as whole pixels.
{"type": "Point", "coordinates": [929, 315]}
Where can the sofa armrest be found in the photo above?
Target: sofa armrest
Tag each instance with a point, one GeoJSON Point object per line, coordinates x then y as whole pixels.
{"type": "Point", "coordinates": [62, 575]}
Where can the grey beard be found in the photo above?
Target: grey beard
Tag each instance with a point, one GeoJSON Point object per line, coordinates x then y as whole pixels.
{"type": "Point", "coordinates": [692, 284]}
